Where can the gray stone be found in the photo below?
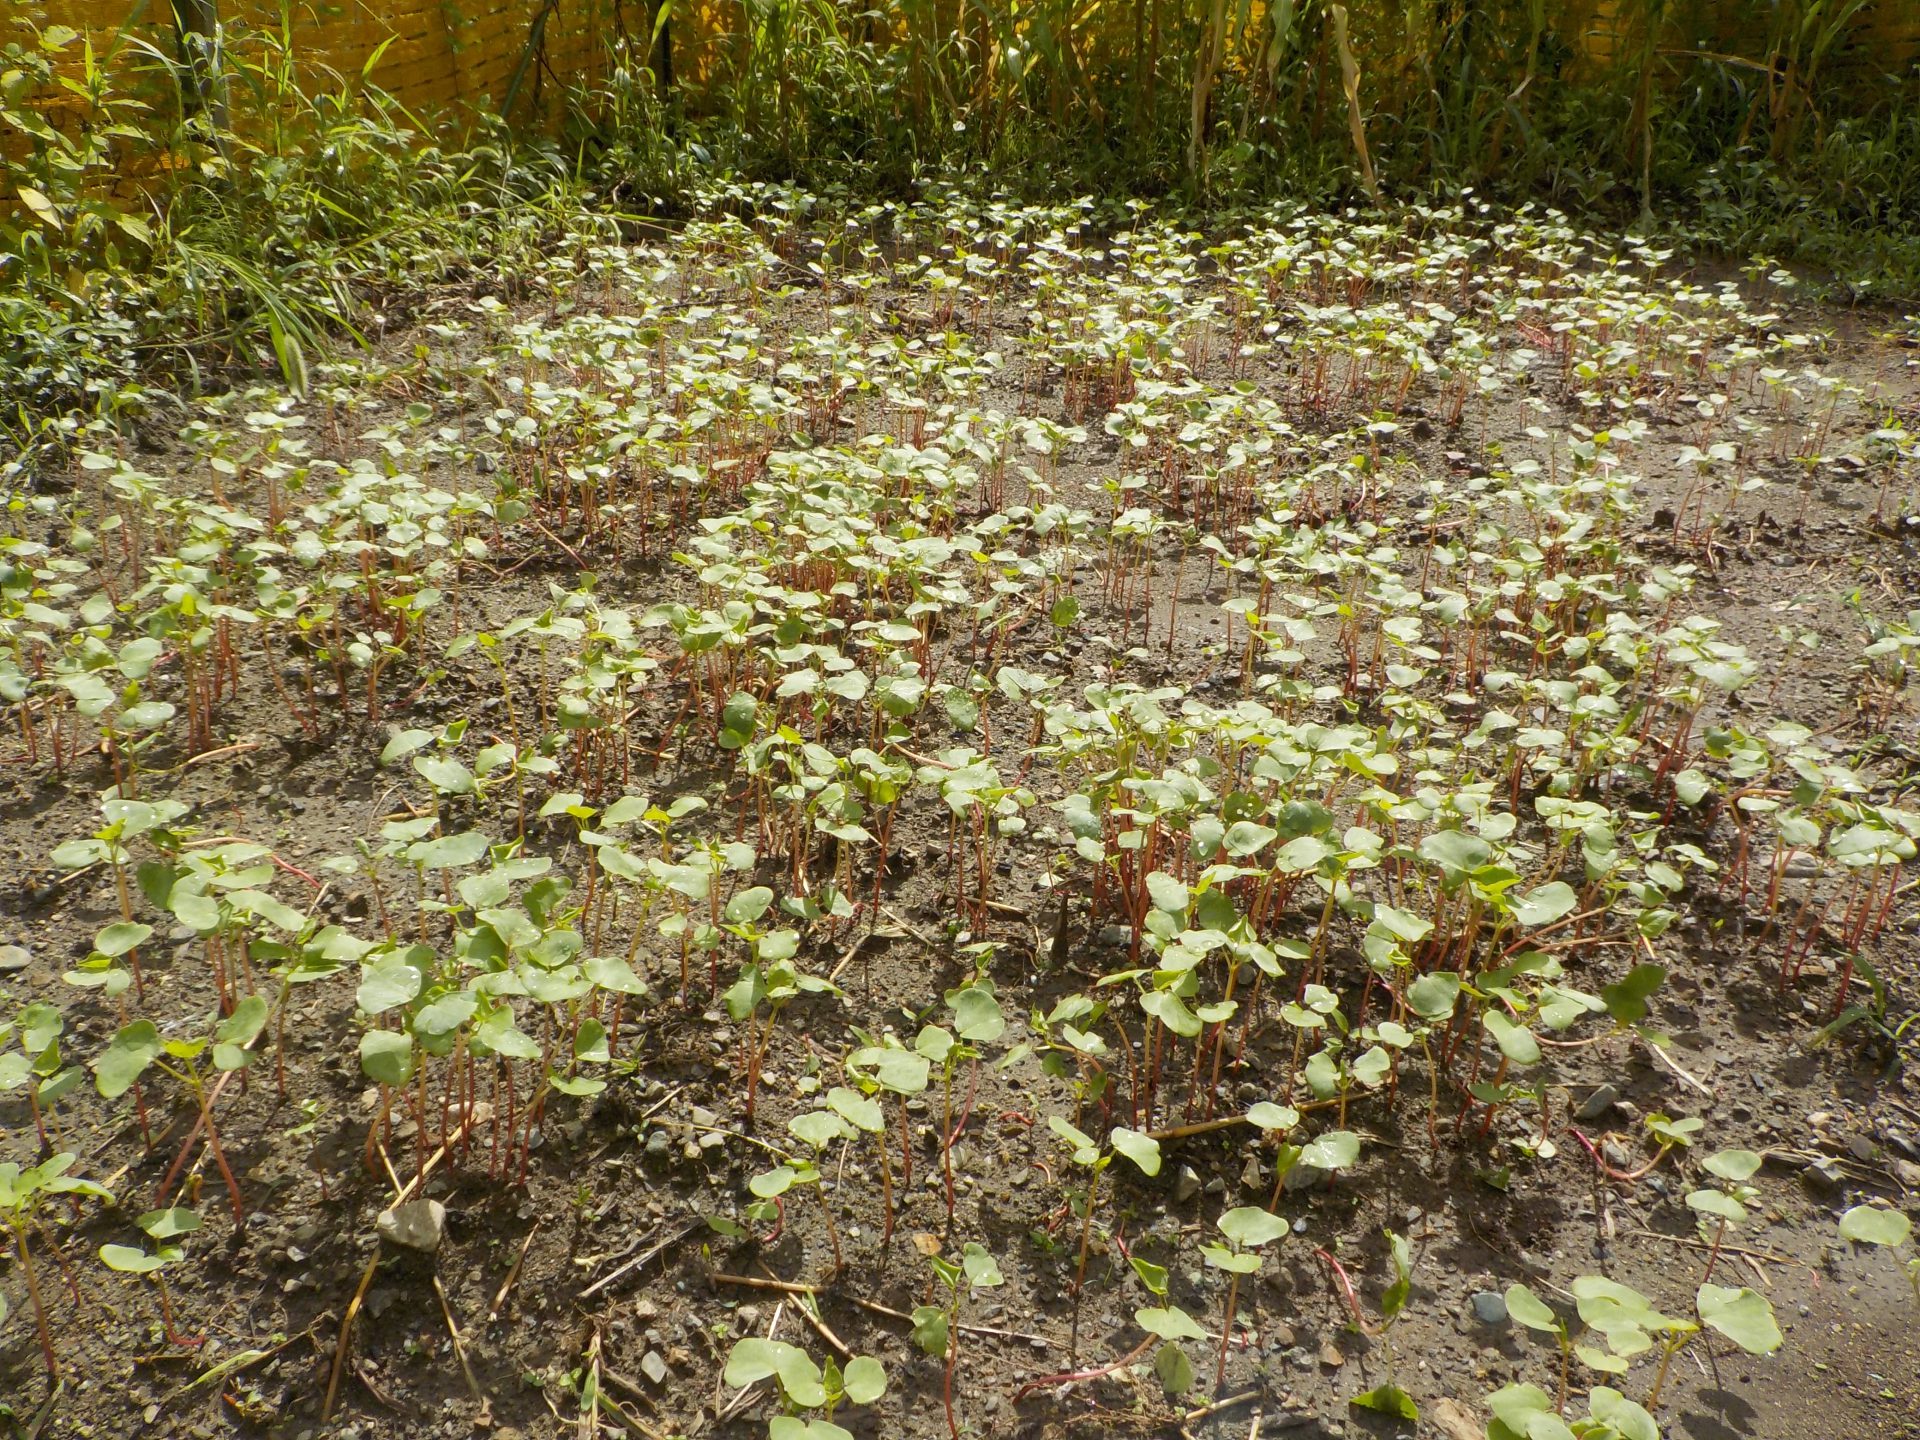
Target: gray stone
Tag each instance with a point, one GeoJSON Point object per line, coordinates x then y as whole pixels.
{"type": "Point", "coordinates": [416, 1225]}
{"type": "Point", "coordinates": [1186, 1184]}
{"type": "Point", "coordinates": [14, 957]}
{"type": "Point", "coordinates": [653, 1367]}
{"type": "Point", "coordinates": [1599, 1103]}
{"type": "Point", "coordinates": [1824, 1174]}
{"type": "Point", "coordinates": [1489, 1307]}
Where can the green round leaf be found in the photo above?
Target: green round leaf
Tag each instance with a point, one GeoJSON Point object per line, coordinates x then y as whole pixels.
{"type": "Point", "coordinates": [1742, 1315]}
{"type": "Point", "coordinates": [864, 1380]}
{"type": "Point", "coordinates": [129, 1261]}
{"type": "Point", "coordinates": [1250, 1226]}
{"type": "Point", "coordinates": [387, 1056]}
{"type": "Point", "coordinates": [1170, 1323]}
{"type": "Point", "coordinates": [1142, 1149]}
{"type": "Point", "coordinates": [1875, 1225]}
{"type": "Point", "coordinates": [134, 1048]}
{"type": "Point", "coordinates": [1530, 1310]}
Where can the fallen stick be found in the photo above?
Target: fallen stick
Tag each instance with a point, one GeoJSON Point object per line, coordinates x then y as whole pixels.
{"type": "Point", "coordinates": [874, 1307]}
{"type": "Point", "coordinates": [484, 1420]}
{"type": "Point", "coordinates": [809, 1308]}
{"type": "Point", "coordinates": [686, 1228]}
{"type": "Point", "coordinates": [513, 1274]}
{"type": "Point", "coordinates": [1218, 1407]}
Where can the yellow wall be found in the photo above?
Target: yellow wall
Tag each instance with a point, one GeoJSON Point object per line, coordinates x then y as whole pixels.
{"type": "Point", "coordinates": [440, 53]}
{"type": "Point", "coordinates": [448, 53]}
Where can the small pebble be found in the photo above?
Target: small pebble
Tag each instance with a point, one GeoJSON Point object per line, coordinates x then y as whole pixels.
{"type": "Point", "coordinates": [1489, 1307]}
{"type": "Point", "coordinates": [1599, 1102]}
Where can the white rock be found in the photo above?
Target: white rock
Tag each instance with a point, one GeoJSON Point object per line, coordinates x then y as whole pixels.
{"type": "Point", "coordinates": [416, 1225]}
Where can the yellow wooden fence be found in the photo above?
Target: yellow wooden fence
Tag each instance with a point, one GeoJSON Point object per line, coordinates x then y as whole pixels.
{"type": "Point", "coordinates": [445, 54]}
{"type": "Point", "coordinates": [437, 55]}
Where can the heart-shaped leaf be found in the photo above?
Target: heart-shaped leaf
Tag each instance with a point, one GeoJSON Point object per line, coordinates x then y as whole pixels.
{"type": "Point", "coordinates": [1742, 1315]}
{"type": "Point", "coordinates": [1170, 1323]}
{"type": "Point", "coordinates": [1250, 1227]}
{"type": "Point", "coordinates": [1142, 1149]}
{"type": "Point", "coordinates": [1875, 1225]}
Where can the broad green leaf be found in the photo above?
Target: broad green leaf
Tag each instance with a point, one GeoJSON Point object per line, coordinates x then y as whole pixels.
{"type": "Point", "coordinates": [772, 1183]}
{"type": "Point", "coordinates": [404, 744]}
{"type": "Point", "coordinates": [1718, 1204]}
{"type": "Point", "coordinates": [977, 1015]}
{"type": "Point", "coordinates": [1734, 1165]}
{"type": "Point", "coordinates": [864, 1380]}
{"type": "Point", "coordinates": [1433, 996]}
{"type": "Point", "coordinates": [749, 905]}
{"type": "Point", "coordinates": [169, 1224]}
{"type": "Point", "coordinates": [1742, 1315]}
{"type": "Point", "coordinates": [1166, 892]}
{"type": "Point", "coordinates": [1139, 1147]}
{"type": "Point", "coordinates": [1170, 1011]}
{"type": "Point", "coordinates": [1628, 1419]}
{"type": "Point", "coordinates": [1335, 1150]}
{"type": "Point", "coordinates": [1175, 1370]}
{"type": "Point", "coordinates": [445, 773]}
{"type": "Point", "coordinates": [1269, 1116]}
{"type": "Point", "coordinates": [1516, 1406]}
{"type": "Point", "coordinates": [1388, 1400]}
{"type": "Point", "coordinates": [1627, 999]}
{"type": "Point", "coordinates": [1516, 1042]}
{"type": "Point", "coordinates": [117, 939]}
{"type": "Point", "coordinates": [818, 1128]}
{"type": "Point", "coordinates": [1233, 1261]}
{"type": "Point", "coordinates": [900, 1071]}
{"type": "Point", "coordinates": [1085, 1150]}
{"type": "Point", "coordinates": [1250, 1227]}
{"type": "Point", "coordinates": [754, 1359]}
{"type": "Point", "coordinates": [1153, 1276]}
{"type": "Point", "coordinates": [129, 1261]}
{"type": "Point", "coordinates": [1530, 1310]}
{"type": "Point", "coordinates": [390, 983]}
{"type": "Point", "coordinates": [1455, 852]}
{"type": "Point", "coordinates": [981, 1269]}
{"type": "Point", "coordinates": [1875, 1225]}
{"type": "Point", "coordinates": [1170, 1323]}
{"type": "Point", "coordinates": [387, 1056]}
{"type": "Point", "coordinates": [610, 972]}
{"type": "Point", "coordinates": [244, 1025]}
{"type": "Point", "coordinates": [930, 1329]}
{"type": "Point", "coordinates": [859, 1110]}
{"type": "Point", "coordinates": [133, 1049]}
{"type": "Point", "coordinates": [1545, 904]}
{"type": "Point", "coordinates": [1245, 838]}
{"type": "Point", "coordinates": [449, 852]}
